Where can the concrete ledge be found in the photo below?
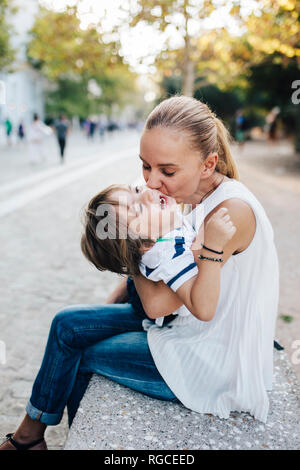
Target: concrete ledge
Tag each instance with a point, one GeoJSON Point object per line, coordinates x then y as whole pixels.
{"type": "Point", "coordinates": [113, 417]}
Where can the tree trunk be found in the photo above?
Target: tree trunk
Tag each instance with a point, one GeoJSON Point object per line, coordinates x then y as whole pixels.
{"type": "Point", "coordinates": [188, 78]}
{"type": "Point", "coordinates": [188, 64]}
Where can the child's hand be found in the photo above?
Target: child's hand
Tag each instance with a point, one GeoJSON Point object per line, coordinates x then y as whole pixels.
{"type": "Point", "coordinates": [218, 230]}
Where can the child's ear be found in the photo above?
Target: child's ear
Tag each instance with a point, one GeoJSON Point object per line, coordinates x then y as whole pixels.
{"type": "Point", "coordinates": [146, 246]}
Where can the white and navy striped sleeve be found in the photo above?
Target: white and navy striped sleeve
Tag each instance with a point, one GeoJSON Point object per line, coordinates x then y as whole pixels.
{"type": "Point", "coordinates": [174, 270]}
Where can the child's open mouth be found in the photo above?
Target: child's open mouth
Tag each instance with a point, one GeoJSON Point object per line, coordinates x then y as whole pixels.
{"type": "Point", "coordinates": [163, 201]}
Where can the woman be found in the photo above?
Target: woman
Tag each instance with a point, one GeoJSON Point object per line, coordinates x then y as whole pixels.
{"type": "Point", "coordinates": [215, 366]}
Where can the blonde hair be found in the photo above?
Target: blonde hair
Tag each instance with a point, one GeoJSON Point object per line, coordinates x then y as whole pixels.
{"type": "Point", "coordinates": [205, 132]}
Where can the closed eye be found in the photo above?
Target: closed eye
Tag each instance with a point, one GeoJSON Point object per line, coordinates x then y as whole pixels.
{"type": "Point", "coordinates": [164, 172]}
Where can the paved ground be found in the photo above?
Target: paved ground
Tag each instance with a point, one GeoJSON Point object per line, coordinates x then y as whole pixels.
{"type": "Point", "coordinates": [43, 270]}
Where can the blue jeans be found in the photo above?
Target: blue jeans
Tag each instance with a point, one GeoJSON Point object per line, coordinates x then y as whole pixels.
{"type": "Point", "coordinates": [86, 339]}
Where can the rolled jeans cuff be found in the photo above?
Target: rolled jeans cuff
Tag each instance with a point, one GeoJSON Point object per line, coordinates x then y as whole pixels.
{"type": "Point", "coordinates": [50, 419]}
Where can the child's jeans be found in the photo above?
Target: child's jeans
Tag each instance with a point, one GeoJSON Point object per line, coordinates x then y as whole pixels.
{"type": "Point", "coordinates": [86, 339]}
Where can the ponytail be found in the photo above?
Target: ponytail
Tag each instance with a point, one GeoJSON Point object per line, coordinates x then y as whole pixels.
{"type": "Point", "coordinates": [207, 134]}
{"type": "Point", "coordinates": [226, 164]}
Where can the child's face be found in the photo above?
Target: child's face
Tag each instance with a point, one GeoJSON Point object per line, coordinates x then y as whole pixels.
{"type": "Point", "coordinates": [147, 212]}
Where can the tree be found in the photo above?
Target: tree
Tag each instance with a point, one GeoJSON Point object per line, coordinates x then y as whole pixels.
{"type": "Point", "coordinates": [214, 54]}
{"type": "Point", "coordinates": [273, 29]}
{"type": "Point", "coordinates": [273, 38]}
{"type": "Point", "coordinates": [6, 51]}
{"type": "Point", "coordinates": [72, 58]}
{"type": "Point", "coordinates": [166, 16]}
{"type": "Point", "coordinates": [261, 62]}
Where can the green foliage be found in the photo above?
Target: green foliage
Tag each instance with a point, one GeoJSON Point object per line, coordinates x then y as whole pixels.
{"type": "Point", "coordinates": [253, 71]}
{"type": "Point", "coordinates": [223, 103]}
{"type": "Point", "coordinates": [6, 52]}
{"type": "Point", "coordinates": [162, 13]}
{"type": "Point", "coordinates": [70, 98]}
{"type": "Point", "coordinates": [171, 85]}
{"type": "Point", "coordinates": [71, 57]}
{"type": "Point", "coordinates": [178, 15]}
{"type": "Point", "coordinates": [287, 318]}
{"type": "Point", "coordinates": [271, 31]}
{"type": "Point", "coordinates": [270, 82]}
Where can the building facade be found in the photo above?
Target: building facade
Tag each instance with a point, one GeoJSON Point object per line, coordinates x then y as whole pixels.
{"type": "Point", "coordinates": [24, 88]}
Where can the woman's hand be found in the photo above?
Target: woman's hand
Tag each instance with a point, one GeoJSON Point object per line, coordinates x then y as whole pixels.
{"type": "Point", "coordinates": [218, 230]}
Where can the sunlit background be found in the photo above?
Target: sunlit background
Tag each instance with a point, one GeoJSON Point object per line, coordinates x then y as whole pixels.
{"type": "Point", "coordinates": [104, 65]}
{"type": "Point", "coordinates": [118, 58]}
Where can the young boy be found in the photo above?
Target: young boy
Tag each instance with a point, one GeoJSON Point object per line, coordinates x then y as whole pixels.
{"type": "Point", "coordinates": [137, 230]}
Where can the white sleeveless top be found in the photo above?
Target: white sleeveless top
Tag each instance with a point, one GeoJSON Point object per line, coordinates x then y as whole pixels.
{"type": "Point", "coordinates": [226, 364]}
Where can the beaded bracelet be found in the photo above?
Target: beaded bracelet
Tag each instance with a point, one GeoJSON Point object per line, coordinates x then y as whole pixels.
{"type": "Point", "coordinates": [213, 251]}
{"type": "Point", "coordinates": [210, 259]}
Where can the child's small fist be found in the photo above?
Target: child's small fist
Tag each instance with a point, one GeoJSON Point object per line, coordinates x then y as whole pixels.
{"type": "Point", "coordinates": [218, 230]}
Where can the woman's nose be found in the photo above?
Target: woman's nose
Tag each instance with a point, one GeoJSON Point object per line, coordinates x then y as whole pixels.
{"type": "Point", "coordinates": [153, 181]}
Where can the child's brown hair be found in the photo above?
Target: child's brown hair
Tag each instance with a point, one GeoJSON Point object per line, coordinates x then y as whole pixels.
{"type": "Point", "coordinates": [113, 253]}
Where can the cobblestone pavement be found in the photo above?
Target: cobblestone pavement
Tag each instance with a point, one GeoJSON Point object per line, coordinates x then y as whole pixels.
{"type": "Point", "coordinates": [43, 270]}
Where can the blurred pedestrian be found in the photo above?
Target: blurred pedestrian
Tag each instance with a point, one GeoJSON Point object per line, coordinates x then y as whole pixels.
{"type": "Point", "coordinates": [37, 133]}
{"type": "Point", "coordinates": [272, 124]}
{"type": "Point", "coordinates": [62, 128]}
{"type": "Point", "coordinates": [86, 127]}
{"type": "Point", "coordinates": [102, 130]}
{"type": "Point", "coordinates": [92, 128]}
{"type": "Point", "coordinates": [21, 132]}
{"type": "Point", "coordinates": [240, 122]}
{"type": "Point", "coordinates": [8, 130]}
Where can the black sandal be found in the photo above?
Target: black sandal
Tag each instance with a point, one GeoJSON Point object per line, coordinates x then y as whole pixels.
{"type": "Point", "coordinates": [19, 446]}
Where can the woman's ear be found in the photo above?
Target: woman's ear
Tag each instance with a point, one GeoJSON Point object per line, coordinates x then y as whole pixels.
{"type": "Point", "coordinates": [210, 164]}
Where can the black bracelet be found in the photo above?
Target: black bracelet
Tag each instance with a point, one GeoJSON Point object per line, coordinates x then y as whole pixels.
{"type": "Point", "coordinates": [210, 259]}
{"type": "Point", "coordinates": [213, 251]}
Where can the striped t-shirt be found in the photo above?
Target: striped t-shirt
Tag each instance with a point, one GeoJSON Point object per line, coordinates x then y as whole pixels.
{"type": "Point", "coordinates": [171, 260]}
